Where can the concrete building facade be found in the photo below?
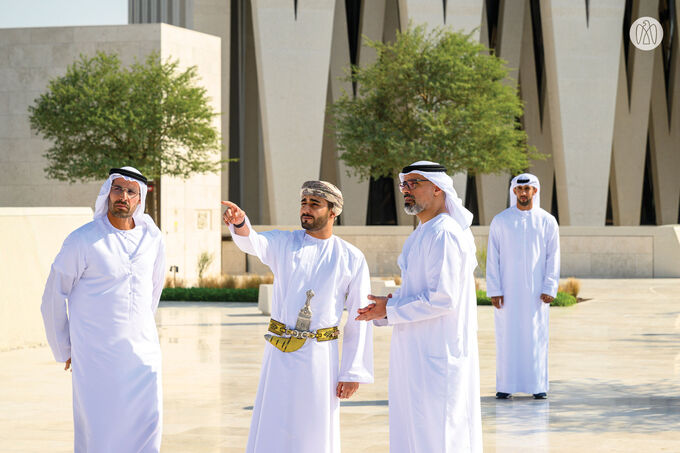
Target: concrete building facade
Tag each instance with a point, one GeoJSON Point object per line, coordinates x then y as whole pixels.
{"type": "Point", "coordinates": [30, 57]}
{"type": "Point", "coordinates": [605, 111]}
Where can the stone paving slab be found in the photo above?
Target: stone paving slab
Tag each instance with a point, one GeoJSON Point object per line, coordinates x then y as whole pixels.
{"type": "Point", "coordinates": [614, 377]}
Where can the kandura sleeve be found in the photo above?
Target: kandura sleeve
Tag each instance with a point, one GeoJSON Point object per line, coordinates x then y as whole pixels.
{"type": "Point", "coordinates": [357, 341]}
{"type": "Point", "coordinates": [494, 285]}
{"type": "Point", "coordinates": [158, 276]}
{"type": "Point", "coordinates": [263, 245]}
{"type": "Point", "coordinates": [66, 270]}
{"type": "Point", "coordinates": [444, 284]}
{"type": "Point", "coordinates": [551, 277]}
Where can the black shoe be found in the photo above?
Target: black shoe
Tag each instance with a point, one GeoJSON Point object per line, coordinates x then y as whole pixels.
{"type": "Point", "coordinates": [540, 396]}
{"type": "Point", "coordinates": [502, 396]}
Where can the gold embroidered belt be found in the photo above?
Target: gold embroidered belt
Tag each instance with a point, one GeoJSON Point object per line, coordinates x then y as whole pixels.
{"type": "Point", "coordinates": [296, 338]}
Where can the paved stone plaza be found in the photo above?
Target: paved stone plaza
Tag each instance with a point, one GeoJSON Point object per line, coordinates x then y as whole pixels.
{"type": "Point", "coordinates": [614, 372]}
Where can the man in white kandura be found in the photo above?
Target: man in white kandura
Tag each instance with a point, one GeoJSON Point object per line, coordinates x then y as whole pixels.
{"type": "Point", "coordinates": [316, 275]}
{"type": "Point", "coordinates": [110, 274]}
{"type": "Point", "coordinates": [522, 274]}
{"type": "Point", "coordinates": [434, 361]}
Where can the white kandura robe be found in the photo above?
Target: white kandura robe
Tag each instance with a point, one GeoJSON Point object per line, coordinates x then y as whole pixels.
{"type": "Point", "coordinates": [112, 281]}
{"type": "Point", "coordinates": [522, 262]}
{"type": "Point", "coordinates": [296, 409]}
{"type": "Point", "coordinates": [434, 360]}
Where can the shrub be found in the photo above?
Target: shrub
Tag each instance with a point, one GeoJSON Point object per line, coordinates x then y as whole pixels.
{"type": "Point", "coordinates": [205, 259]}
{"type": "Point", "coordinates": [431, 94]}
{"type": "Point", "coordinates": [251, 294]}
{"type": "Point", "coordinates": [481, 261]}
{"type": "Point", "coordinates": [210, 294]}
{"type": "Point", "coordinates": [235, 281]}
{"type": "Point", "coordinates": [482, 298]}
{"type": "Point", "coordinates": [570, 286]}
{"type": "Point", "coordinates": [563, 300]}
{"type": "Point", "coordinates": [171, 282]}
{"type": "Point", "coordinates": [214, 281]}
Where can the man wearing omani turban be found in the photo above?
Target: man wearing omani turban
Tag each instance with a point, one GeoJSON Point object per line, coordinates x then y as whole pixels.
{"type": "Point", "coordinates": [316, 276]}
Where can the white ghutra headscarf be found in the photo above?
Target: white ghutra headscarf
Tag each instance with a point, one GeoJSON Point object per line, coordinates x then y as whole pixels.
{"type": "Point", "coordinates": [525, 179]}
{"type": "Point", "coordinates": [101, 206]}
{"type": "Point", "coordinates": [436, 174]}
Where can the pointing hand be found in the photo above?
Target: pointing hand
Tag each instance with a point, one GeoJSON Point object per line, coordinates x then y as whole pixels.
{"type": "Point", "coordinates": [233, 215]}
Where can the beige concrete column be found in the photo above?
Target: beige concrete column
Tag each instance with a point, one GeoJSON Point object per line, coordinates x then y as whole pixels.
{"type": "Point", "coordinates": [372, 25]}
{"type": "Point", "coordinates": [540, 138]}
{"type": "Point", "coordinates": [582, 63]}
{"type": "Point", "coordinates": [252, 173]}
{"type": "Point", "coordinates": [214, 17]}
{"type": "Point", "coordinates": [402, 217]}
{"type": "Point", "coordinates": [492, 189]}
{"type": "Point", "coordinates": [207, 16]}
{"type": "Point", "coordinates": [355, 192]}
{"type": "Point", "coordinates": [664, 138]}
{"type": "Point", "coordinates": [293, 58]}
{"type": "Point", "coordinates": [537, 128]}
{"type": "Point", "coordinates": [492, 195]}
{"type": "Point", "coordinates": [631, 126]}
{"type": "Point", "coordinates": [461, 15]}
{"type": "Point", "coordinates": [190, 212]}
{"type": "Point", "coordinates": [329, 170]}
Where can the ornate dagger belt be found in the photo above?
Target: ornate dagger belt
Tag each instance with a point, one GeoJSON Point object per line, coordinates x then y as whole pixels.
{"type": "Point", "coordinates": [301, 333]}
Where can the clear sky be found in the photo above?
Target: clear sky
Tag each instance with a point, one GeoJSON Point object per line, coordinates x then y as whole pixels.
{"type": "Point", "coordinates": [61, 13]}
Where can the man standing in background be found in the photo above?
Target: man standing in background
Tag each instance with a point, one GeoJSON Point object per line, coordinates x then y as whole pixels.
{"type": "Point", "coordinates": [522, 275]}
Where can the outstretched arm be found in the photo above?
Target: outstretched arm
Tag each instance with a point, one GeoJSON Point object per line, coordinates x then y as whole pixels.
{"type": "Point", "coordinates": [263, 245]}
{"type": "Point", "coordinates": [448, 265]}
{"type": "Point", "coordinates": [235, 217]}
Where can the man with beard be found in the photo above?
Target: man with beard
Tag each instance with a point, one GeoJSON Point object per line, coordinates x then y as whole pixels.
{"type": "Point", "coordinates": [522, 275]}
{"type": "Point", "coordinates": [434, 362]}
{"type": "Point", "coordinates": [316, 275]}
{"type": "Point", "coordinates": [98, 309]}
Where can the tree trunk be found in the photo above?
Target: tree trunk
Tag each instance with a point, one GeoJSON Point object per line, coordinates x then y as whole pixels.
{"type": "Point", "coordinates": [153, 201]}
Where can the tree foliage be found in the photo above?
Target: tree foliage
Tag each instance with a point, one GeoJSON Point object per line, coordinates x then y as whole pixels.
{"type": "Point", "coordinates": [149, 115]}
{"type": "Point", "coordinates": [436, 96]}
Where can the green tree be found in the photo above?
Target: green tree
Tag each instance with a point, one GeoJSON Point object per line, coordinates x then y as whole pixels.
{"type": "Point", "coordinates": [150, 115]}
{"type": "Point", "coordinates": [436, 96]}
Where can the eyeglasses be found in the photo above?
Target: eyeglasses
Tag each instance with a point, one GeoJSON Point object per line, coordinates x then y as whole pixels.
{"type": "Point", "coordinates": [410, 184]}
{"type": "Point", "coordinates": [118, 190]}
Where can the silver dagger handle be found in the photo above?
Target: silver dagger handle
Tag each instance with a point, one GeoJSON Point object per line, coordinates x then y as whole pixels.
{"type": "Point", "coordinates": [310, 294]}
{"type": "Point", "coordinates": [305, 316]}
